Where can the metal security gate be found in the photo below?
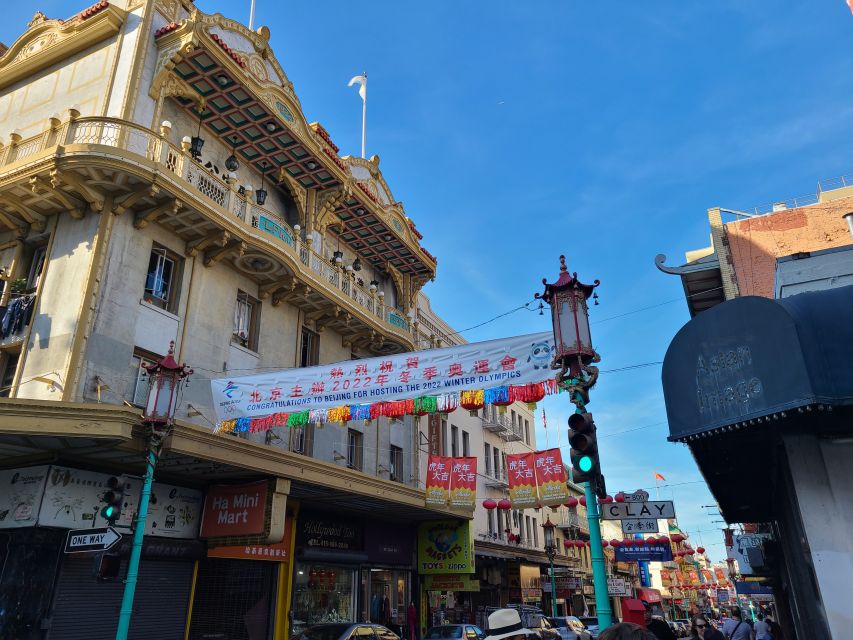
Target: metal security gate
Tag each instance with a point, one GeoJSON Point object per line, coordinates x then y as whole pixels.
{"type": "Point", "coordinates": [87, 609]}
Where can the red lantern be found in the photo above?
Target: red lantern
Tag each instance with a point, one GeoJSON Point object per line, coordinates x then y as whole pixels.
{"type": "Point", "coordinates": [529, 393]}
{"type": "Point", "coordinates": [572, 503]}
{"type": "Point", "coordinates": [489, 504]}
{"type": "Point", "coordinates": [614, 543]}
{"type": "Point", "coordinates": [677, 537]}
{"type": "Point", "coordinates": [583, 500]}
{"type": "Point", "coordinates": [663, 540]}
{"type": "Point", "coordinates": [604, 544]}
{"type": "Point", "coordinates": [586, 543]}
{"type": "Point", "coordinates": [701, 549]}
{"type": "Point", "coordinates": [690, 552]}
{"type": "Point", "coordinates": [628, 542]}
{"type": "Point", "coordinates": [605, 500]}
{"type": "Point", "coordinates": [620, 497]}
{"type": "Point", "coordinates": [567, 544]}
{"type": "Point", "coordinates": [504, 505]}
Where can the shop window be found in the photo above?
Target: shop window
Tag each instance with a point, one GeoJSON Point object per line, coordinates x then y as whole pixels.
{"type": "Point", "coordinates": [321, 594]}
{"type": "Point", "coordinates": [497, 456]}
{"type": "Point", "coordinates": [310, 349]}
{"type": "Point", "coordinates": [466, 444]}
{"type": "Point", "coordinates": [396, 470]}
{"type": "Point", "coordinates": [354, 450]}
{"type": "Point", "coordinates": [163, 279]}
{"type": "Point", "coordinates": [526, 431]}
{"type": "Point", "coordinates": [302, 439]}
{"type": "Point", "coordinates": [8, 366]}
{"type": "Point", "coordinates": [246, 321]}
{"type": "Point", "coordinates": [491, 518]}
{"type": "Point", "coordinates": [137, 391]}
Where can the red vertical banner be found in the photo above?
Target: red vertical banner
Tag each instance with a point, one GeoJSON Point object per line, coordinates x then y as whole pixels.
{"type": "Point", "coordinates": [694, 578]}
{"type": "Point", "coordinates": [551, 477]}
{"type": "Point", "coordinates": [707, 576]}
{"type": "Point", "coordinates": [665, 578]}
{"type": "Point", "coordinates": [721, 575]}
{"type": "Point", "coordinates": [522, 480]}
{"type": "Point", "coordinates": [463, 482]}
{"type": "Point", "coordinates": [438, 481]}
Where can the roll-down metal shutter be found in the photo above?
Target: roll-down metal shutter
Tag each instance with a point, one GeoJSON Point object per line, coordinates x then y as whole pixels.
{"type": "Point", "coordinates": [87, 609]}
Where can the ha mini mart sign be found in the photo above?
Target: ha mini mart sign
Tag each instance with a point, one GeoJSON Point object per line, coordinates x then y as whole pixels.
{"type": "Point", "coordinates": [234, 510]}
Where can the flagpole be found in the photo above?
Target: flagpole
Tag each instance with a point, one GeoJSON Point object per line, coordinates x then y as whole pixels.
{"type": "Point", "coordinates": [363, 117]}
{"type": "Point", "coordinates": [252, 15]}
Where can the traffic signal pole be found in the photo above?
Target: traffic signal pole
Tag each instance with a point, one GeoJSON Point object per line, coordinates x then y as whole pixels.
{"type": "Point", "coordinates": [136, 550]}
{"type": "Point", "coordinates": [596, 552]}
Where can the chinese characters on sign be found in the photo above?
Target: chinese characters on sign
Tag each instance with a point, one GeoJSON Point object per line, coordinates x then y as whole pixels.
{"type": "Point", "coordinates": [438, 480]}
{"type": "Point", "coordinates": [452, 480]}
{"type": "Point", "coordinates": [640, 525]}
{"type": "Point", "coordinates": [522, 480]}
{"type": "Point", "coordinates": [551, 477]}
{"type": "Point", "coordinates": [480, 365]}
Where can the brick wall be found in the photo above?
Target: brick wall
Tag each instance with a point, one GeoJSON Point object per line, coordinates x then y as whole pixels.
{"type": "Point", "coordinates": [755, 243]}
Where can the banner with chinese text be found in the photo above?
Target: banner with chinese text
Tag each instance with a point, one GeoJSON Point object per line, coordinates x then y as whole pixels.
{"type": "Point", "coordinates": [438, 480]}
{"type": "Point", "coordinates": [694, 578]}
{"type": "Point", "coordinates": [481, 365]}
{"type": "Point", "coordinates": [463, 482]}
{"type": "Point", "coordinates": [665, 578]}
{"type": "Point", "coordinates": [551, 477]}
{"type": "Point", "coordinates": [721, 575]}
{"type": "Point", "coordinates": [522, 480]}
{"type": "Point", "coordinates": [707, 576]}
{"type": "Point", "coordinates": [679, 578]}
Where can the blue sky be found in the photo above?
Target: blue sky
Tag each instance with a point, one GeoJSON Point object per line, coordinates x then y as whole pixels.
{"type": "Point", "coordinates": [517, 131]}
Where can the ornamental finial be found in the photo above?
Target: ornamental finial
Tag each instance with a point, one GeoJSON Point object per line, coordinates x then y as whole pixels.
{"type": "Point", "coordinates": [562, 264]}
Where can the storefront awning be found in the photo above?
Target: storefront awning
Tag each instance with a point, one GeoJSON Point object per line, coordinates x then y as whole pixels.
{"type": "Point", "coordinates": [752, 357]}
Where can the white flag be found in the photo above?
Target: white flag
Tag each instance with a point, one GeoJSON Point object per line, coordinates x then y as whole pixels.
{"type": "Point", "coordinates": [362, 90]}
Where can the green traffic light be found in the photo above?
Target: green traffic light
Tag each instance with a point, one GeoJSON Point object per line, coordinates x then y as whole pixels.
{"type": "Point", "coordinates": [585, 464]}
{"type": "Point", "coordinates": [108, 512]}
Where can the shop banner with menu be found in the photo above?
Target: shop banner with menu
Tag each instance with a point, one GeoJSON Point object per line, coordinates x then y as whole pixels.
{"type": "Point", "coordinates": [551, 477]}
{"type": "Point", "coordinates": [438, 480]}
{"type": "Point", "coordinates": [445, 547]}
{"type": "Point", "coordinates": [518, 360]}
{"type": "Point", "coordinates": [463, 482]}
{"type": "Point", "coordinates": [20, 496]}
{"type": "Point", "coordinates": [522, 480]}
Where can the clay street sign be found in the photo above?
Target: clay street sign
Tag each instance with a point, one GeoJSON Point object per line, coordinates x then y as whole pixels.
{"type": "Point", "coordinates": [632, 510]}
{"type": "Point", "coordinates": [91, 539]}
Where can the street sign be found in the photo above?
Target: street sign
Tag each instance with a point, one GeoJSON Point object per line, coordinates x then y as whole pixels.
{"type": "Point", "coordinates": [628, 510]}
{"type": "Point", "coordinates": [618, 587]}
{"type": "Point", "coordinates": [646, 553]}
{"type": "Point", "coordinates": [80, 540]}
{"type": "Point", "coordinates": [640, 525]}
{"type": "Point", "coordinates": [637, 496]}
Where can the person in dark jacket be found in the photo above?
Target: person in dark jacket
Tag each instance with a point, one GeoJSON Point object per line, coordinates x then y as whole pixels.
{"type": "Point", "coordinates": [701, 629]}
{"type": "Point", "coordinates": [658, 626]}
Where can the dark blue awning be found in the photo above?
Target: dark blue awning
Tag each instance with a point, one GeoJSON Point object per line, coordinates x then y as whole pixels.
{"type": "Point", "coordinates": [754, 357]}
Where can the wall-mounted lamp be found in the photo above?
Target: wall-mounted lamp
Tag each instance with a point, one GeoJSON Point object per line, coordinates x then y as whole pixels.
{"type": "Point", "coordinates": [373, 286]}
{"type": "Point", "coordinates": [231, 162]}
{"type": "Point", "coordinates": [357, 264]}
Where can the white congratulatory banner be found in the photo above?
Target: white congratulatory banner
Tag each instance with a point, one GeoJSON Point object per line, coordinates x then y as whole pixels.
{"type": "Point", "coordinates": [480, 365]}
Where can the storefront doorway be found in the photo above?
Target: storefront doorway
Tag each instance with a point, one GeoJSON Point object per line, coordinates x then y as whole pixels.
{"type": "Point", "coordinates": [386, 593]}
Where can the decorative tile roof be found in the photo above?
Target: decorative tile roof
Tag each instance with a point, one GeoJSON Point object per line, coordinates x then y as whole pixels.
{"type": "Point", "coordinates": [324, 135]}
{"type": "Point", "coordinates": [164, 30]}
{"type": "Point", "coordinates": [234, 55]}
{"type": "Point", "coordinates": [95, 8]}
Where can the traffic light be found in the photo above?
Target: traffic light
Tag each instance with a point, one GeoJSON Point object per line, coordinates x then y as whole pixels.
{"type": "Point", "coordinates": [113, 499]}
{"type": "Point", "coordinates": [584, 452]}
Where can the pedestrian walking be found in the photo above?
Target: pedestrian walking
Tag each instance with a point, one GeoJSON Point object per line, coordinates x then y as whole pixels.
{"type": "Point", "coordinates": [701, 629]}
{"type": "Point", "coordinates": [762, 628]}
{"type": "Point", "coordinates": [658, 626]}
{"type": "Point", "coordinates": [775, 629]}
{"type": "Point", "coordinates": [626, 631]}
{"type": "Point", "coordinates": [505, 624]}
{"type": "Point", "coordinates": [735, 628]}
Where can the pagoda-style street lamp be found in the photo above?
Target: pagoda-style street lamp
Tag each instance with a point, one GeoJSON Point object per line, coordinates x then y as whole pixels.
{"type": "Point", "coordinates": [551, 551]}
{"type": "Point", "coordinates": [166, 379]}
{"type": "Point", "coordinates": [569, 317]}
{"type": "Point", "coordinates": [573, 356]}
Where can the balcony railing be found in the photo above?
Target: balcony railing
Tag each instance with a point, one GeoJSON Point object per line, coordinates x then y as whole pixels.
{"type": "Point", "coordinates": [573, 520]}
{"type": "Point", "coordinates": [132, 138]}
{"type": "Point", "coordinates": [496, 480]}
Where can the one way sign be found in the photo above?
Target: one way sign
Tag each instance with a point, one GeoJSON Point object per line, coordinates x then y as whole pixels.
{"type": "Point", "coordinates": [91, 539]}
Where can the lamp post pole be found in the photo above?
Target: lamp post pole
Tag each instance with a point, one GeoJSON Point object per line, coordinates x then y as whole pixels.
{"type": "Point", "coordinates": [574, 356]}
{"type": "Point", "coordinates": [551, 551]}
{"type": "Point", "coordinates": [165, 379]}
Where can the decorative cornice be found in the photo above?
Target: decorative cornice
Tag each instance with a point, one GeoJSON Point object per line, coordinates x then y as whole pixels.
{"type": "Point", "coordinates": [66, 419]}
{"type": "Point", "coordinates": [49, 41]}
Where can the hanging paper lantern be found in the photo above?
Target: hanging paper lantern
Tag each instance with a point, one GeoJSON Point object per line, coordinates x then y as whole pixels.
{"type": "Point", "coordinates": [471, 400]}
{"type": "Point", "coordinates": [489, 504]}
{"type": "Point", "coordinates": [425, 405]}
{"type": "Point", "coordinates": [605, 500]}
{"type": "Point", "coordinates": [586, 543]}
{"type": "Point", "coordinates": [529, 393]}
{"type": "Point", "coordinates": [572, 502]}
{"type": "Point", "coordinates": [701, 549]}
{"type": "Point", "coordinates": [504, 505]}
{"type": "Point", "coordinates": [619, 497]}
{"type": "Point", "coordinates": [663, 540]}
{"type": "Point", "coordinates": [690, 552]}
{"type": "Point", "coordinates": [678, 537]}
{"type": "Point", "coordinates": [629, 542]}
{"type": "Point", "coordinates": [567, 544]}
{"type": "Point", "coordinates": [615, 543]}
{"type": "Point", "coordinates": [604, 544]}
{"type": "Point", "coordinates": [448, 402]}
{"type": "Point", "coordinates": [498, 396]}
{"type": "Point", "coordinates": [583, 500]}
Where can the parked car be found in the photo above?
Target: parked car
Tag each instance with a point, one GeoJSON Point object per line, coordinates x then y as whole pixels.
{"type": "Point", "coordinates": [570, 628]}
{"type": "Point", "coordinates": [460, 631]}
{"type": "Point", "coordinates": [591, 625]}
{"type": "Point", "coordinates": [347, 631]}
{"type": "Point", "coordinates": [543, 629]}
